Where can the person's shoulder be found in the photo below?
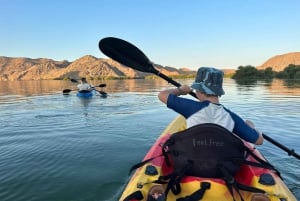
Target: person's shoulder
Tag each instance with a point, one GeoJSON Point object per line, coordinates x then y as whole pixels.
{"type": "Point", "coordinates": [173, 96]}
{"type": "Point", "coordinates": [228, 110]}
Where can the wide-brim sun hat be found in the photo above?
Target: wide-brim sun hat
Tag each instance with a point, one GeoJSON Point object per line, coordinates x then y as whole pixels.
{"type": "Point", "coordinates": [209, 80]}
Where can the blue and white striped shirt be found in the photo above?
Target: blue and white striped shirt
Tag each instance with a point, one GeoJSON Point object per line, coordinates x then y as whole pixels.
{"type": "Point", "coordinates": [197, 112]}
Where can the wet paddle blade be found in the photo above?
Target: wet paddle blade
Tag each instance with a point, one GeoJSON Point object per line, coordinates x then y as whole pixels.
{"type": "Point", "coordinates": [103, 94]}
{"type": "Point", "coordinates": [73, 80]}
{"type": "Point", "coordinates": [66, 91]}
{"type": "Point", "coordinates": [102, 85]}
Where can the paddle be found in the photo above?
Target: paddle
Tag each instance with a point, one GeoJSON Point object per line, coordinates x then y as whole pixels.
{"type": "Point", "coordinates": [102, 93]}
{"type": "Point", "coordinates": [291, 152]}
{"type": "Point", "coordinates": [129, 55]}
{"type": "Point", "coordinates": [67, 91]}
{"type": "Point", "coordinates": [73, 80]}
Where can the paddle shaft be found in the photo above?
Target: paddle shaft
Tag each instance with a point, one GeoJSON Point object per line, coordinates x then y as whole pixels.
{"type": "Point", "coordinates": [131, 56]}
{"type": "Point", "coordinates": [291, 152]}
{"type": "Point", "coordinates": [66, 91]}
{"type": "Point", "coordinates": [170, 80]}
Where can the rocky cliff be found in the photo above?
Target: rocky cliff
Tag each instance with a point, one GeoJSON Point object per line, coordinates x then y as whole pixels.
{"type": "Point", "coordinates": [86, 66]}
{"type": "Point", "coordinates": [279, 62]}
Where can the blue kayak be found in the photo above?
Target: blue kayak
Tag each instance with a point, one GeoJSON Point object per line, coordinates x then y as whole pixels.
{"type": "Point", "coordinates": [85, 94]}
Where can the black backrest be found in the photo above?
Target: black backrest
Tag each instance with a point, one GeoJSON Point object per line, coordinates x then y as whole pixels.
{"type": "Point", "coordinates": [206, 147]}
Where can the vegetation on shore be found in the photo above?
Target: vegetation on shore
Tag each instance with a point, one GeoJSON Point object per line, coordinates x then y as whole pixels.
{"type": "Point", "coordinates": [291, 72]}
{"type": "Point", "coordinates": [250, 72]}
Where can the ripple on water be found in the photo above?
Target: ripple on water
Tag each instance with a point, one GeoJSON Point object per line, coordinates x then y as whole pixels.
{"type": "Point", "coordinates": [60, 148]}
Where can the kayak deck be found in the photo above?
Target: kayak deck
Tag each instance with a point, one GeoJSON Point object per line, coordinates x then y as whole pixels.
{"type": "Point", "coordinates": [85, 94]}
{"type": "Point", "coordinates": [247, 175]}
{"type": "Point", "coordinates": [90, 94]}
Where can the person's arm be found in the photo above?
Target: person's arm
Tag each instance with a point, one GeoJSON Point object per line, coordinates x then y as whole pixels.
{"type": "Point", "coordinates": [246, 129]}
{"type": "Point", "coordinates": [260, 138]}
{"type": "Point", "coordinates": [91, 87]}
{"type": "Point", "coordinates": [182, 90]}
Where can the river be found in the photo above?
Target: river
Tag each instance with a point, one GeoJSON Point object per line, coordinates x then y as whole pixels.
{"type": "Point", "coordinates": [61, 148]}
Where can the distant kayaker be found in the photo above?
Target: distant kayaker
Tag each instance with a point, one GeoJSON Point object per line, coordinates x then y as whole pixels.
{"type": "Point", "coordinates": [84, 85]}
{"type": "Point", "coordinates": [208, 88]}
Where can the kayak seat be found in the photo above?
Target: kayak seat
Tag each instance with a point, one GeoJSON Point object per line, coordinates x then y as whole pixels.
{"type": "Point", "coordinates": [206, 151]}
{"type": "Point", "coordinates": [203, 150]}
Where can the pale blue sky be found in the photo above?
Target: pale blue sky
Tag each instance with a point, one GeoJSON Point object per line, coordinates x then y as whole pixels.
{"type": "Point", "coordinates": [177, 33]}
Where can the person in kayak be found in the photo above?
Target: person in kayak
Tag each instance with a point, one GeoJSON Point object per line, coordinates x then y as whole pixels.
{"type": "Point", "coordinates": [208, 88]}
{"type": "Point", "coordinates": [84, 85]}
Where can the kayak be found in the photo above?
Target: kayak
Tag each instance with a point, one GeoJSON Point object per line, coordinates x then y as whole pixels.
{"type": "Point", "coordinates": [148, 175]}
{"type": "Point", "coordinates": [85, 94]}
{"type": "Point", "coordinates": [90, 94]}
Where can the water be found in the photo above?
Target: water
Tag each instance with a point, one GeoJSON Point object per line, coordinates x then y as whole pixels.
{"type": "Point", "coordinates": [61, 148]}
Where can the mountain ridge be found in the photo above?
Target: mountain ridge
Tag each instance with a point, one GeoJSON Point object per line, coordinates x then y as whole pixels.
{"type": "Point", "coordinates": [23, 68]}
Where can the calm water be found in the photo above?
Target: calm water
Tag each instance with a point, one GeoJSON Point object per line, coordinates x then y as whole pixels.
{"type": "Point", "coordinates": [60, 148]}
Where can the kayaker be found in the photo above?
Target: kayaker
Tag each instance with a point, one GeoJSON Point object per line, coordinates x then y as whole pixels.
{"type": "Point", "coordinates": [84, 85]}
{"type": "Point", "coordinates": [208, 88]}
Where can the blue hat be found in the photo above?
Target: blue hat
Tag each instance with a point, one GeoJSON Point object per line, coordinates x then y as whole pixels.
{"type": "Point", "coordinates": [209, 80]}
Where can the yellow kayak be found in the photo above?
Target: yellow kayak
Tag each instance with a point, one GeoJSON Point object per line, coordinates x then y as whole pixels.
{"type": "Point", "coordinates": [146, 176]}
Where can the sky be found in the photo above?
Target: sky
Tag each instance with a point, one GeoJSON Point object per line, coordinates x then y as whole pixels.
{"type": "Point", "coordinates": [176, 33]}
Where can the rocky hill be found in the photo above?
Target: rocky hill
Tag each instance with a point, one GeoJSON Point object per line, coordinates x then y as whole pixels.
{"type": "Point", "coordinates": [20, 68]}
{"type": "Point", "coordinates": [86, 66]}
{"type": "Point", "coordinates": [279, 62]}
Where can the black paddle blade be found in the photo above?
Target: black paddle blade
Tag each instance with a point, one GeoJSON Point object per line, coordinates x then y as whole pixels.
{"type": "Point", "coordinates": [66, 91]}
{"type": "Point", "coordinates": [102, 85]}
{"type": "Point", "coordinates": [103, 94]}
{"type": "Point", "coordinates": [73, 80]}
{"type": "Point", "coordinates": [126, 54]}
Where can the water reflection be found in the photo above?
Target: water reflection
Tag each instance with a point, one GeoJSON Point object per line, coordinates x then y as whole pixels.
{"type": "Point", "coordinates": [66, 138]}
{"type": "Point", "coordinates": [85, 101]}
{"type": "Point", "coordinates": [292, 83]}
{"type": "Point", "coordinates": [274, 86]}
{"type": "Point", "coordinates": [42, 87]}
{"type": "Point", "coordinates": [246, 82]}
{"type": "Point", "coordinates": [29, 88]}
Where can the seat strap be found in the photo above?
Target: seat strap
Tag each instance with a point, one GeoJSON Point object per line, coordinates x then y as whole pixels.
{"type": "Point", "coordinates": [176, 177]}
{"type": "Point", "coordinates": [230, 182]}
{"type": "Point", "coordinates": [262, 163]}
{"type": "Point", "coordinates": [197, 195]}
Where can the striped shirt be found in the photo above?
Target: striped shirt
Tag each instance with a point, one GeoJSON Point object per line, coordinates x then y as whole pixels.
{"type": "Point", "coordinates": [197, 112]}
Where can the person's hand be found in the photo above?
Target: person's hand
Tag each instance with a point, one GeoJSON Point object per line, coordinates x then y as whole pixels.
{"type": "Point", "coordinates": [184, 89]}
{"type": "Point", "coordinates": [260, 139]}
{"type": "Point", "coordinates": [250, 123]}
